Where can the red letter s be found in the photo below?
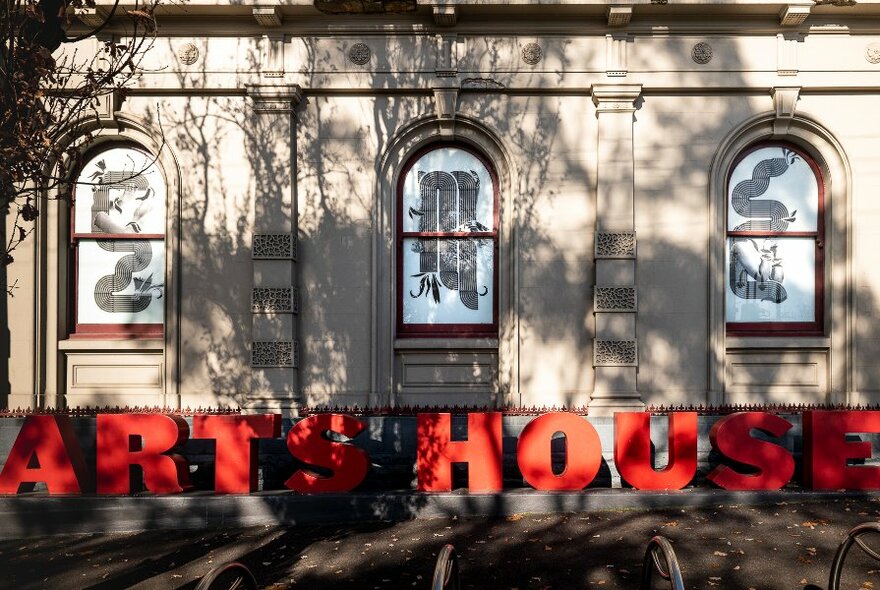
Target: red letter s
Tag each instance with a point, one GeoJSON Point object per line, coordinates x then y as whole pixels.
{"type": "Point", "coordinates": [731, 437]}
{"type": "Point", "coordinates": [306, 442]}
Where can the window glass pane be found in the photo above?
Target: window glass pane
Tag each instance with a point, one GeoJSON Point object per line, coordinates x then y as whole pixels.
{"type": "Point", "coordinates": [771, 280]}
{"type": "Point", "coordinates": [772, 189]}
{"type": "Point", "coordinates": [448, 281]}
{"type": "Point", "coordinates": [120, 191]}
{"type": "Point", "coordinates": [448, 189]}
{"type": "Point", "coordinates": [120, 281]}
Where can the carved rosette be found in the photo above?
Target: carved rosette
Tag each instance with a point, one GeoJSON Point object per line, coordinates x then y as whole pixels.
{"type": "Point", "coordinates": [872, 53]}
{"type": "Point", "coordinates": [188, 54]}
{"type": "Point", "coordinates": [360, 54]}
{"type": "Point", "coordinates": [619, 244]}
{"type": "Point", "coordinates": [274, 300]}
{"type": "Point", "coordinates": [532, 53]}
{"type": "Point", "coordinates": [282, 354]}
{"type": "Point", "coordinates": [702, 53]}
{"type": "Point", "coordinates": [274, 247]}
{"type": "Point", "coordinates": [614, 299]}
{"type": "Point", "coordinates": [615, 353]}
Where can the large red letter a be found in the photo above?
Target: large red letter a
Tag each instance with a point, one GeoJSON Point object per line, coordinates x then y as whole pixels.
{"type": "Point", "coordinates": [60, 464]}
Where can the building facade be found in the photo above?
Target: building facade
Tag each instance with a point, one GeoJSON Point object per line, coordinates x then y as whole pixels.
{"type": "Point", "coordinates": [563, 203]}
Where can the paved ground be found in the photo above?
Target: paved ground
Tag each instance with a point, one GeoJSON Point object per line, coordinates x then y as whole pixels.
{"type": "Point", "coordinates": [781, 546]}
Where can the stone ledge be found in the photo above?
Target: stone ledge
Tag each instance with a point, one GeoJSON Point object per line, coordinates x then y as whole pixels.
{"type": "Point", "coordinates": [33, 516]}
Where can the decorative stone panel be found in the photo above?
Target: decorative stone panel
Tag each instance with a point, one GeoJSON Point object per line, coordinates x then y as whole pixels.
{"type": "Point", "coordinates": [481, 84]}
{"type": "Point", "coordinates": [621, 299]}
{"type": "Point", "coordinates": [275, 354]}
{"type": "Point", "coordinates": [620, 244]}
{"type": "Point", "coordinates": [275, 300]}
{"type": "Point", "coordinates": [274, 247]}
{"type": "Point", "coordinates": [615, 353]}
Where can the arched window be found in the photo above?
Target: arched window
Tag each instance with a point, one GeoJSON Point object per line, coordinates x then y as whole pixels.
{"type": "Point", "coordinates": [447, 245]}
{"type": "Point", "coordinates": [775, 243]}
{"type": "Point", "coordinates": [118, 244]}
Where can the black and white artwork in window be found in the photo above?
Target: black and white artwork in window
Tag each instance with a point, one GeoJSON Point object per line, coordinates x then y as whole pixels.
{"type": "Point", "coordinates": [448, 278]}
{"type": "Point", "coordinates": [120, 193]}
{"type": "Point", "coordinates": [772, 224]}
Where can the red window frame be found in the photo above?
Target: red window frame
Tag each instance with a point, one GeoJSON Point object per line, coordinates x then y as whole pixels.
{"type": "Point", "coordinates": [81, 330]}
{"type": "Point", "coordinates": [817, 326]}
{"type": "Point", "coordinates": [449, 330]}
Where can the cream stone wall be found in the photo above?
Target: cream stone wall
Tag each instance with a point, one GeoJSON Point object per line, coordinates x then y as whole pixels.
{"type": "Point", "coordinates": [280, 131]}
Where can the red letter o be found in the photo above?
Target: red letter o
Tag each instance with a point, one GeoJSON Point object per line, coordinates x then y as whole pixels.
{"type": "Point", "coordinates": [583, 452]}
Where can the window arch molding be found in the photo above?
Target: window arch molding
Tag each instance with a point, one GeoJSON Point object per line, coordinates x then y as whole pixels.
{"type": "Point", "coordinates": [825, 150]}
{"type": "Point", "coordinates": [55, 323]}
{"type": "Point", "coordinates": [401, 149]}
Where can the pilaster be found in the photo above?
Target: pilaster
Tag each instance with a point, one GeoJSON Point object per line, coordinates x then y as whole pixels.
{"type": "Point", "coordinates": [275, 347]}
{"type": "Point", "coordinates": [615, 349]}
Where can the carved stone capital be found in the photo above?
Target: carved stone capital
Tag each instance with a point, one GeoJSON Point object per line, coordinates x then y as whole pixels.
{"type": "Point", "coordinates": [616, 98]}
{"type": "Point", "coordinates": [275, 99]}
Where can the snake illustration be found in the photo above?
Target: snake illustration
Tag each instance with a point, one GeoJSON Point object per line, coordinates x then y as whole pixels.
{"type": "Point", "coordinates": [107, 296]}
{"type": "Point", "coordinates": [756, 272]}
{"type": "Point", "coordinates": [448, 204]}
{"type": "Point", "coordinates": [108, 286]}
{"type": "Point", "coordinates": [765, 214]}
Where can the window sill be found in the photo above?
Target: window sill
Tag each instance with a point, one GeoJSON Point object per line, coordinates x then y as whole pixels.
{"type": "Point", "coordinates": [445, 343]}
{"type": "Point", "coordinates": [110, 344]}
{"type": "Point", "coordinates": [784, 342]}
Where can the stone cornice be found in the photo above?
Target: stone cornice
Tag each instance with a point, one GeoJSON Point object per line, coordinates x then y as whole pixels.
{"type": "Point", "coordinates": [614, 14]}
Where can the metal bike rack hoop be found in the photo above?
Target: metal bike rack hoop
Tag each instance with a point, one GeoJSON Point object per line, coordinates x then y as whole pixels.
{"type": "Point", "coordinates": [657, 547]}
{"type": "Point", "coordinates": [854, 536]}
{"type": "Point", "coordinates": [446, 570]}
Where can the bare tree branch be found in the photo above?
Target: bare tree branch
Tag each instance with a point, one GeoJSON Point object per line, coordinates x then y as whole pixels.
{"type": "Point", "coordinates": [42, 96]}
